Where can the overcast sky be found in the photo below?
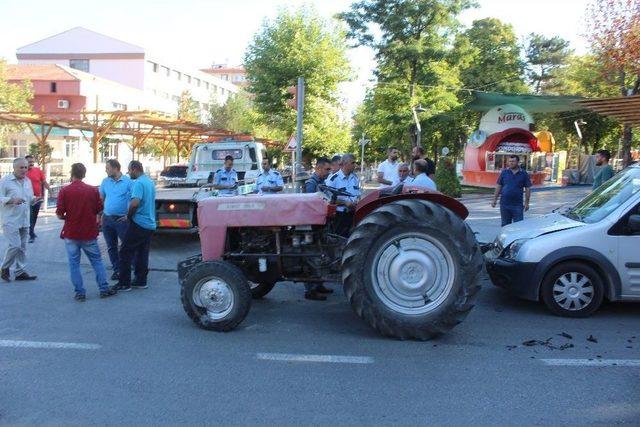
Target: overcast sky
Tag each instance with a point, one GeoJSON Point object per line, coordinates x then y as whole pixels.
{"type": "Point", "coordinates": [197, 33]}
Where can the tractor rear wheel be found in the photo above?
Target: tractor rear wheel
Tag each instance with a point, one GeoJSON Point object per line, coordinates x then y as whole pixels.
{"type": "Point", "coordinates": [411, 269]}
{"type": "Point", "coordinates": [216, 295]}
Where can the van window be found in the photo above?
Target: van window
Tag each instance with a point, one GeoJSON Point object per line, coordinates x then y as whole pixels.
{"type": "Point", "coordinates": [221, 154]}
{"type": "Point", "coordinates": [254, 159]}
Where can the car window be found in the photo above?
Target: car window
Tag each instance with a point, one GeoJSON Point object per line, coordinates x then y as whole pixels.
{"type": "Point", "coordinates": [608, 197]}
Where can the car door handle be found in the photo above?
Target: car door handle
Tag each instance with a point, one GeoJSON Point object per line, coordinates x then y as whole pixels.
{"type": "Point", "coordinates": [632, 264]}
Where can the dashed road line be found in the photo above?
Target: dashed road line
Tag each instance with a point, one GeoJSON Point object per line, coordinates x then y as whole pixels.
{"type": "Point", "coordinates": [49, 345]}
{"type": "Point", "coordinates": [315, 358]}
{"type": "Point", "coordinates": [635, 363]}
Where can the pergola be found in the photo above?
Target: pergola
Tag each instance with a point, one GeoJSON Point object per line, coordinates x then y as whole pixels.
{"type": "Point", "coordinates": [625, 109]}
{"type": "Point", "coordinates": [139, 126]}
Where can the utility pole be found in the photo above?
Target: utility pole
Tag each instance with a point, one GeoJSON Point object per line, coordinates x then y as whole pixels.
{"type": "Point", "coordinates": [363, 142]}
{"type": "Point", "coordinates": [300, 108]}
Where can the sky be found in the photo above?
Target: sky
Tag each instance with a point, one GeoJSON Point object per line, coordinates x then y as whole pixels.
{"type": "Point", "coordinates": [198, 33]}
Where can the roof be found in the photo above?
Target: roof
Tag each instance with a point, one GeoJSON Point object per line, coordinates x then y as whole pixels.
{"type": "Point", "coordinates": [221, 70]}
{"type": "Point", "coordinates": [79, 40]}
{"type": "Point", "coordinates": [626, 109]}
{"type": "Point", "coordinates": [485, 101]}
{"type": "Point", "coordinates": [36, 72]}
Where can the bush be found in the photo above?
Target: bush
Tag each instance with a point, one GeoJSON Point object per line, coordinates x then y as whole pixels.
{"type": "Point", "coordinates": [447, 179]}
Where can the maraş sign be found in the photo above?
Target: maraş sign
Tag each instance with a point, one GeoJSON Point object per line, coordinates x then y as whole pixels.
{"type": "Point", "coordinates": [511, 117]}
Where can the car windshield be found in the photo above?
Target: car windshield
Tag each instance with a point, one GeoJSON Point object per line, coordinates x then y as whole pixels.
{"type": "Point", "coordinates": [607, 198]}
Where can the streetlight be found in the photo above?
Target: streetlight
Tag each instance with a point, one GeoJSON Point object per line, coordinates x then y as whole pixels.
{"type": "Point", "coordinates": [363, 142]}
{"type": "Point", "coordinates": [415, 111]}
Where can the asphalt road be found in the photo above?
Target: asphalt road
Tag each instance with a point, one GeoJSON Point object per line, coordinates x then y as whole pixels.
{"type": "Point", "coordinates": [137, 359]}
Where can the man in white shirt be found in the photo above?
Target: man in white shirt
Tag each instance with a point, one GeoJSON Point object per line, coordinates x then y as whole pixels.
{"type": "Point", "coordinates": [420, 170]}
{"type": "Point", "coordinates": [16, 198]}
{"type": "Point", "coordinates": [403, 175]}
{"type": "Point", "coordinates": [388, 170]}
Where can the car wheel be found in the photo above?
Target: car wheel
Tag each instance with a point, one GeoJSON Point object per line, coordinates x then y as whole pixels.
{"type": "Point", "coordinates": [572, 289]}
{"type": "Point", "coordinates": [216, 295]}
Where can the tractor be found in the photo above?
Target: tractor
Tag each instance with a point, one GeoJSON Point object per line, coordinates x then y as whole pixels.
{"type": "Point", "coordinates": [410, 266]}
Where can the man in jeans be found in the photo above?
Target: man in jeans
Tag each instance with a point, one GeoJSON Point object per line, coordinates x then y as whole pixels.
{"type": "Point", "coordinates": [38, 180]}
{"type": "Point", "coordinates": [115, 192]}
{"type": "Point", "coordinates": [511, 182]}
{"type": "Point", "coordinates": [79, 206]}
{"type": "Point", "coordinates": [142, 224]}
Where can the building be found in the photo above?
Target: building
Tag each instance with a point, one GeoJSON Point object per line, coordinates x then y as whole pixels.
{"type": "Point", "coordinates": [129, 65]}
{"type": "Point", "coordinates": [234, 74]}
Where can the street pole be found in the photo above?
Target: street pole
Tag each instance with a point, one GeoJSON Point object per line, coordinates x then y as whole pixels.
{"type": "Point", "coordinates": [363, 142]}
{"type": "Point", "coordinates": [418, 127]}
{"type": "Point", "coordinates": [300, 108]}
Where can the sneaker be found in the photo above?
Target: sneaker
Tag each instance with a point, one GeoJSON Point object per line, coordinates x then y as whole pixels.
{"type": "Point", "coordinates": [32, 239]}
{"type": "Point", "coordinates": [25, 276]}
{"type": "Point", "coordinates": [137, 286]}
{"type": "Point", "coordinates": [323, 290]}
{"type": "Point", "coordinates": [108, 293]}
{"type": "Point", "coordinates": [80, 297]}
{"type": "Point", "coordinates": [122, 288]}
{"type": "Point", "coordinates": [314, 295]}
{"type": "Point", "coordinates": [5, 275]}
{"type": "Point", "coordinates": [115, 276]}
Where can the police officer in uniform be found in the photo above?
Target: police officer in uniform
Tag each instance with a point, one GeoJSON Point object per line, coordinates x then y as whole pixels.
{"type": "Point", "coordinates": [321, 172]}
{"type": "Point", "coordinates": [269, 181]}
{"type": "Point", "coordinates": [226, 179]}
{"type": "Point", "coordinates": [347, 181]}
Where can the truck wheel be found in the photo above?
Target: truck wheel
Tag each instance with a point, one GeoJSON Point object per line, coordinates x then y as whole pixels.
{"type": "Point", "coordinates": [572, 289]}
{"type": "Point", "coordinates": [259, 290]}
{"type": "Point", "coordinates": [216, 295]}
{"type": "Point", "coordinates": [411, 269]}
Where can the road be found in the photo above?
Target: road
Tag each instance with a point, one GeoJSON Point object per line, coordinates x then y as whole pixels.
{"type": "Point", "coordinates": [137, 359]}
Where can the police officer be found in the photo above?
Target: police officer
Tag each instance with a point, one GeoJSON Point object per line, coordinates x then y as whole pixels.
{"type": "Point", "coordinates": [336, 164]}
{"type": "Point", "coordinates": [321, 172]}
{"type": "Point", "coordinates": [347, 181]}
{"type": "Point", "coordinates": [269, 181]}
{"type": "Point", "coordinates": [226, 179]}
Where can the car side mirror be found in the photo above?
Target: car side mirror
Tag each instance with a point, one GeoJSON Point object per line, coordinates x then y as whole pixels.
{"type": "Point", "coordinates": [634, 223]}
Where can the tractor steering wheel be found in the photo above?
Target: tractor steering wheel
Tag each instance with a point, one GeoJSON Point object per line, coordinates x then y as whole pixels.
{"type": "Point", "coordinates": [334, 191]}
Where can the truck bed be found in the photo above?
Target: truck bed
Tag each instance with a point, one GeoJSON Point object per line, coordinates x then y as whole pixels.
{"type": "Point", "coordinates": [175, 193]}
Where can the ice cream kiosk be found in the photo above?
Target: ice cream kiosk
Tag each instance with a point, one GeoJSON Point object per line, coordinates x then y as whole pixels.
{"type": "Point", "coordinates": [504, 130]}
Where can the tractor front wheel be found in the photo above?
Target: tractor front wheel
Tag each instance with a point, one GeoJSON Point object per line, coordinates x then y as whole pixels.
{"type": "Point", "coordinates": [411, 269]}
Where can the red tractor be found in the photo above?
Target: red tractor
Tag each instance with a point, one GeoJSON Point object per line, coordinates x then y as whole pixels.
{"type": "Point", "coordinates": [410, 267]}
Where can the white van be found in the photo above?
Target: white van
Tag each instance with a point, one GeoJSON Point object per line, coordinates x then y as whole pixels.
{"type": "Point", "coordinates": [206, 158]}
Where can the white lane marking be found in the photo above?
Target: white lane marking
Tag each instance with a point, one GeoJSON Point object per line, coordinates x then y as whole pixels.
{"type": "Point", "coordinates": [592, 362]}
{"type": "Point", "coordinates": [318, 358]}
{"type": "Point", "coordinates": [49, 345]}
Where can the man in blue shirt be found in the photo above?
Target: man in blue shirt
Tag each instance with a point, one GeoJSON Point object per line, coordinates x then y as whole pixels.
{"type": "Point", "coordinates": [226, 179]}
{"type": "Point", "coordinates": [269, 181]}
{"type": "Point", "coordinates": [347, 181]}
{"type": "Point", "coordinates": [142, 224]}
{"type": "Point", "coordinates": [115, 192]}
{"type": "Point", "coordinates": [510, 185]}
{"type": "Point", "coordinates": [319, 175]}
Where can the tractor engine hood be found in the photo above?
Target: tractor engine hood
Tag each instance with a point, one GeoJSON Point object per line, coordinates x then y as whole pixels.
{"type": "Point", "coordinates": [535, 227]}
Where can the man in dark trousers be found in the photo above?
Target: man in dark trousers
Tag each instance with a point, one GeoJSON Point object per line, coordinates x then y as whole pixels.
{"type": "Point", "coordinates": [38, 181]}
{"type": "Point", "coordinates": [142, 224]}
{"type": "Point", "coordinates": [511, 182]}
{"type": "Point", "coordinates": [79, 206]}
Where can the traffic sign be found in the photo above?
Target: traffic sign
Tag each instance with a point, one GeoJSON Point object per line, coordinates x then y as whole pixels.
{"type": "Point", "coordinates": [292, 144]}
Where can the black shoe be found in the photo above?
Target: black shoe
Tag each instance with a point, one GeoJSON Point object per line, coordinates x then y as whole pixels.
{"type": "Point", "coordinates": [137, 286]}
{"type": "Point", "coordinates": [323, 290]}
{"type": "Point", "coordinates": [108, 293]}
{"type": "Point", "coordinates": [32, 239]}
{"type": "Point", "coordinates": [314, 295]}
{"type": "Point", "coordinates": [5, 275]}
{"type": "Point", "coordinates": [80, 297]}
{"type": "Point", "coordinates": [122, 288]}
{"type": "Point", "coordinates": [115, 276]}
{"type": "Point", "coordinates": [25, 276]}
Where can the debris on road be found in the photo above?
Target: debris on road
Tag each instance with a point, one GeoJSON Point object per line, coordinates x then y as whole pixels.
{"type": "Point", "coordinates": [566, 335]}
{"type": "Point", "coordinates": [592, 339]}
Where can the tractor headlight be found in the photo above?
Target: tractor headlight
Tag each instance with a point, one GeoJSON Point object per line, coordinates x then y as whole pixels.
{"type": "Point", "coordinates": [512, 250]}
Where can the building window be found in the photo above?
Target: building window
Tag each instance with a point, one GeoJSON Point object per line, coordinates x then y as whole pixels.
{"type": "Point", "coordinates": [206, 85]}
{"type": "Point", "coordinates": [188, 77]}
{"type": "Point", "coordinates": [111, 152]}
{"type": "Point", "coordinates": [19, 148]}
{"type": "Point", "coordinates": [70, 149]}
{"type": "Point", "coordinates": [79, 64]}
{"type": "Point", "coordinates": [166, 71]}
{"type": "Point", "coordinates": [225, 77]}
{"type": "Point", "coordinates": [197, 81]}
{"type": "Point", "coordinates": [221, 91]}
{"type": "Point", "coordinates": [177, 75]}
{"type": "Point", "coordinates": [54, 87]}
{"type": "Point", "coordinates": [153, 66]}
{"type": "Point", "coordinates": [118, 106]}
{"type": "Point", "coordinates": [215, 89]}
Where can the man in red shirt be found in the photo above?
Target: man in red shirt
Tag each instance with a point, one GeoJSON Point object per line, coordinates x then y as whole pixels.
{"type": "Point", "coordinates": [79, 205]}
{"type": "Point", "coordinates": [38, 180]}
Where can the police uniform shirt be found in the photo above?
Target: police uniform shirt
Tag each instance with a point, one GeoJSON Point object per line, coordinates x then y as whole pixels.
{"type": "Point", "coordinates": [350, 184]}
{"type": "Point", "coordinates": [311, 185]}
{"type": "Point", "coordinates": [226, 177]}
{"type": "Point", "coordinates": [269, 179]}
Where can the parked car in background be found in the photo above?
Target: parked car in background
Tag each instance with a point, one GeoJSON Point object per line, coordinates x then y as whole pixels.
{"type": "Point", "coordinates": [575, 259]}
{"type": "Point", "coordinates": [174, 175]}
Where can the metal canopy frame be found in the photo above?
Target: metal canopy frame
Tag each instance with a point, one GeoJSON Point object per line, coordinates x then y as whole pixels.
{"type": "Point", "coordinates": [625, 109]}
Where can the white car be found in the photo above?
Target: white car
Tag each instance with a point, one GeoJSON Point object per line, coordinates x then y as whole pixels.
{"type": "Point", "coordinates": [574, 260]}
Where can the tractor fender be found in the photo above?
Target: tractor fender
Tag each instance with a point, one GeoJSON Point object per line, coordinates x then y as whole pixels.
{"type": "Point", "coordinates": [373, 201]}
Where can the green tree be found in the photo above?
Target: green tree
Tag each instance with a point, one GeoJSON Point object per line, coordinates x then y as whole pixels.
{"type": "Point", "coordinates": [300, 43]}
{"type": "Point", "coordinates": [13, 97]}
{"type": "Point", "coordinates": [446, 177]}
{"type": "Point", "coordinates": [489, 57]}
{"type": "Point", "coordinates": [188, 108]}
{"type": "Point", "coordinates": [545, 57]}
{"type": "Point", "coordinates": [236, 115]}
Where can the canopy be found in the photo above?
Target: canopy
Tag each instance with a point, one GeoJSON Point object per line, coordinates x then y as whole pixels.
{"type": "Point", "coordinates": [626, 109]}
{"type": "Point", "coordinates": [485, 101]}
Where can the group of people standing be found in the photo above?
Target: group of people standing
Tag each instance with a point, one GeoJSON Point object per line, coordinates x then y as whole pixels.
{"type": "Point", "coordinates": [392, 172]}
{"type": "Point", "coordinates": [123, 206]}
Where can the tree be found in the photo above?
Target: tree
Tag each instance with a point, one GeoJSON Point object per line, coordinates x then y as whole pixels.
{"type": "Point", "coordinates": [236, 115]}
{"type": "Point", "coordinates": [13, 97]}
{"type": "Point", "coordinates": [545, 56]}
{"type": "Point", "coordinates": [188, 108]}
{"type": "Point", "coordinates": [297, 44]}
{"type": "Point", "coordinates": [447, 178]}
{"type": "Point", "coordinates": [489, 57]}
{"type": "Point", "coordinates": [613, 30]}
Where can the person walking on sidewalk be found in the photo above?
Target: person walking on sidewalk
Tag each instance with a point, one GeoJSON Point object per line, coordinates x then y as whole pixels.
{"type": "Point", "coordinates": [511, 182]}
{"type": "Point", "coordinates": [115, 192]}
{"type": "Point", "coordinates": [16, 197]}
{"type": "Point", "coordinates": [142, 224]}
{"type": "Point", "coordinates": [79, 206]}
{"type": "Point", "coordinates": [38, 180]}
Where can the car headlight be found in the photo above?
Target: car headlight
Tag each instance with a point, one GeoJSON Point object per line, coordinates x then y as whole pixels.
{"type": "Point", "coordinates": [512, 250]}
